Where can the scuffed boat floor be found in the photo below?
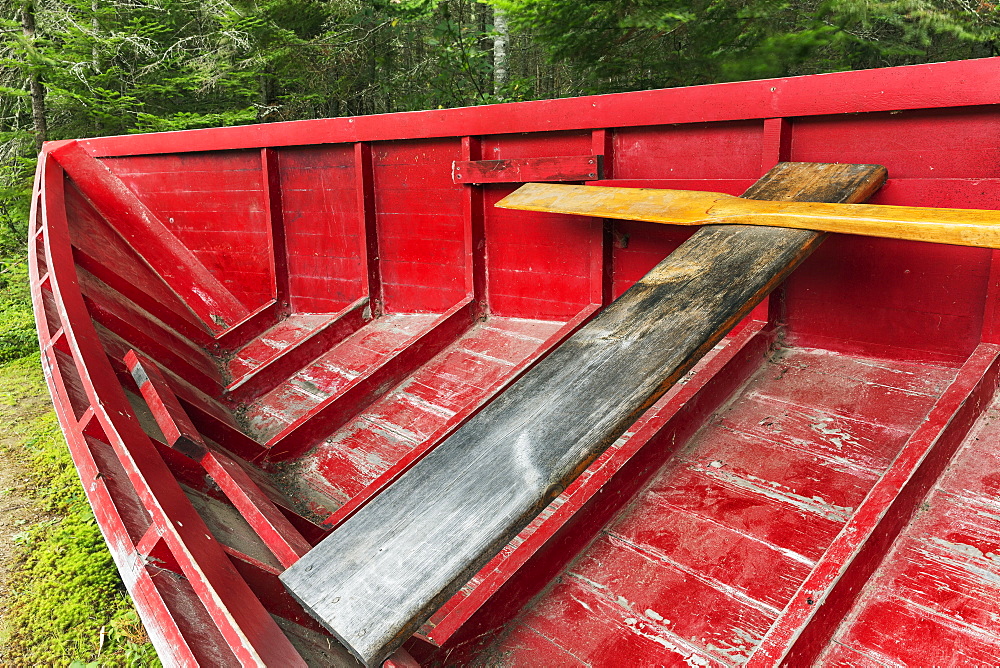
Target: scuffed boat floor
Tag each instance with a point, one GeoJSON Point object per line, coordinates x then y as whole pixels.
{"type": "Point", "coordinates": [700, 565]}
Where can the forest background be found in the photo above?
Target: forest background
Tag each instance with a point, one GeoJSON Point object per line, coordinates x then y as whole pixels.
{"type": "Point", "coordinates": [82, 68]}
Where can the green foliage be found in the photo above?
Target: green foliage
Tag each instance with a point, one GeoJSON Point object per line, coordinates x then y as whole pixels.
{"type": "Point", "coordinates": [635, 44]}
{"type": "Point", "coordinates": [17, 322]}
{"type": "Point", "coordinates": [67, 603]}
{"type": "Point", "coordinates": [17, 331]}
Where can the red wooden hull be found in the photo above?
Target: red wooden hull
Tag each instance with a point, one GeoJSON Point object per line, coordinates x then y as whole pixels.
{"type": "Point", "coordinates": [328, 300]}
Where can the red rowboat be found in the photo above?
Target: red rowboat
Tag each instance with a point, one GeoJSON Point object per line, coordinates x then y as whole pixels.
{"type": "Point", "coordinates": [266, 344]}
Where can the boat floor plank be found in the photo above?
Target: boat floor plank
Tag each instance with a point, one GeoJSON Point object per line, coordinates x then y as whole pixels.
{"type": "Point", "coordinates": [423, 408]}
{"type": "Point", "coordinates": [382, 573]}
{"type": "Point", "coordinates": [330, 373]}
{"type": "Point", "coordinates": [742, 514]}
{"type": "Point", "coordinates": [941, 578]}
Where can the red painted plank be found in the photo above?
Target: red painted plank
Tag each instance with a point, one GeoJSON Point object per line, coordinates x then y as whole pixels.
{"type": "Point", "coordinates": [942, 569]}
{"type": "Point", "coordinates": [415, 178]}
{"type": "Point", "coordinates": [150, 238]}
{"type": "Point", "coordinates": [864, 293]}
{"type": "Point", "coordinates": [281, 351]}
{"type": "Point", "coordinates": [99, 250]}
{"type": "Point", "coordinates": [521, 145]}
{"type": "Point", "coordinates": [730, 150]}
{"type": "Point", "coordinates": [894, 628]}
{"type": "Point", "coordinates": [233, 608]}
{"type": "Point", "coordinates": [721, 621]}
{"type": "Point", "coordinates": [860, 396]}
{"type": "Point", "coordinates": [359, 461]}
{"type": "Point", "coordinates": [521, 170]}
{"type": "Point", "coordinates": [806, 625]}
{"type": "Point", "coordinates": [474, 215]}
{"type": "Point", "coordinates": [133, 329]}
{"type": "Point", "coordinates": [803, 531]}
{"type": "Point", "coordinates": [599, 630]}
{"type": "Point", "coordinates": [825, 485]}
{"type": "Point", "coordinates": [753, 569]}
{"type": "Point", "coordinates": [541, 266]}
{"type": "Point", "coordinates": [369, 362]}
{"type": "Point", "coordinates": [274, 215]}
{"type": "Point", "coordinates": [364, 179]}
{"type": "Point", "coordinates": [325, 236]}
{"type": "Point", "coordinates": [865, 445]}
{"type": "Point", "coordinates": [527, 647]}
{"type": "Point", "coordinates": [171, 418]}
{"type": "Point", "coordinates": [777, 142]}
{"type": "Point", "coordinates": [924, 143]}
{"type": "Point", "coordinates": [274, 529]}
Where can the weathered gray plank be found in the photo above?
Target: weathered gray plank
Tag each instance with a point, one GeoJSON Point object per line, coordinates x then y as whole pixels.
{"type": "Point", "coordinates": [379, 576]}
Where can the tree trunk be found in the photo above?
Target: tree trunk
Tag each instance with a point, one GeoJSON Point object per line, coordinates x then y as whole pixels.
{"type": "Point", "coordinates": [500, 43]}
{"type": "Point", "coordinates": [35, 89]}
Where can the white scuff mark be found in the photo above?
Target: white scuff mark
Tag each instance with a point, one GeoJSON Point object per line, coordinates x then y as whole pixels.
{"type": "Point", "coordinates": [583, 603]}
{"type": "Point", "coordinates": [277, 345]}
{"type": "Point", "coordinates": [309, 389]}
{"type": "Point", "coordinates": [482, 355]}
{"type": "Point", "coordinates": [523, 456]}
{"type": "Point", "coordinates": [954, 622]}
{"type": "Point", "coordinates": [816, 504]}
{"type": "Point", "coordinates": [391, 430]}
{"type": "Point", "coordinates": [426, 405]}
{"type": "Point", "coordinates": [204, 295]}
{"type": "Point", "coordinates": [840, 437]}
{"type": "Point", "coordinates": [691, 657]}
{"type": "Point", "coordinates": [992, 559]}
{"type": "Point", "coordinates": [735, 654]}
{"type": "Point", "coordinates": [654, 615]}
{"type": "Point", "coordinates": [346, 373]}
{"type": "Point", "coordinates": [595, 585]}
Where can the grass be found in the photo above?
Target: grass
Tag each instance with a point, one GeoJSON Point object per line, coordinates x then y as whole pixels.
{"type": "Point", "coordinates": [66, 603]}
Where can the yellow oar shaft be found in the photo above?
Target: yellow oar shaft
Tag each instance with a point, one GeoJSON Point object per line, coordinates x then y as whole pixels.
{"type": "Point", "coordinates": [964, 227]}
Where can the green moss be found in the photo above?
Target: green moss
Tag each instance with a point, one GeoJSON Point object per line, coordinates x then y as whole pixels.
{"type": "Point", "coordinates": [67, 604]}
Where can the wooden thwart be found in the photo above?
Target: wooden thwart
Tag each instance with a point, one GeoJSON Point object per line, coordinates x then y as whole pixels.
{"type": "Point", "coordinates": [381, 574]}
{"type": "Point", "coordinates": [961, 227]}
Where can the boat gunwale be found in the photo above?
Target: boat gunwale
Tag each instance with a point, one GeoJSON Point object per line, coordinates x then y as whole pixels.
{"type": "Point", "coordinates": [968, 83]}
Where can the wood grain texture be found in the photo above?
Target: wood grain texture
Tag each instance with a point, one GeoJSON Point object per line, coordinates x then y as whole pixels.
{"type": "Point", "coordinates": [961, 227]}
{"type": "Point", "coordinates": [146, 234]}
{"type": "Point", "coordinates": [384, 571]}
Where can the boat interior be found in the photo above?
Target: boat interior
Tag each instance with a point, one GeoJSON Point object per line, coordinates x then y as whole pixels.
{"type": "Point", "coordinates": [325, 311]}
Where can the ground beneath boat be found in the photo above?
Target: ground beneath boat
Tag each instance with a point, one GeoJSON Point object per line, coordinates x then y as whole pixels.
{"type": "Point", "coordinates": [20, 405]}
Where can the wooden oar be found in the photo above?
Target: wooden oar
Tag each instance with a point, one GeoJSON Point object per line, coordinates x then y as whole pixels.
{"type": "Point", "coordinates": [963, 227]}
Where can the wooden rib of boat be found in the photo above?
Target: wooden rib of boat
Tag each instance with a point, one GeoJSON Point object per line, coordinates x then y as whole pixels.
{"type": "Point", "coordinates": [260, 340]}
